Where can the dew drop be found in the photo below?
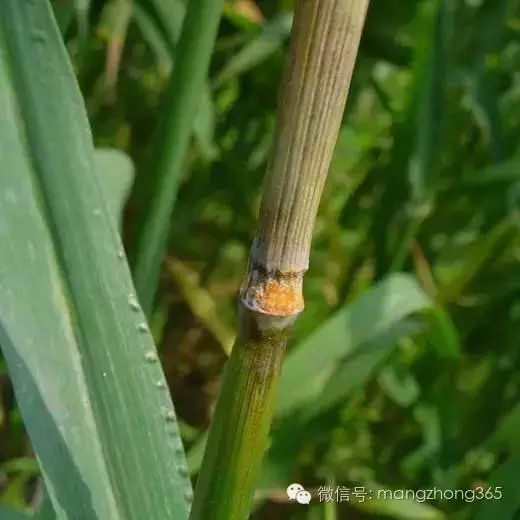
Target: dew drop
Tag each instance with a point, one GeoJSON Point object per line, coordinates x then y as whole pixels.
{"type": "Point", "coordinates": [120, 254]}
{"type": "Point", "coordinates": [179, 451]}
{"type": "Point", "coordinates": [142, 327]}
{"type": "Point", "coordinates": [150, 356]}
{"type": "Point", "coordinates": [169, 415]}
{"type": "Point", "coordinates": [97, 212]}
{"type": "Point", "coordinates": [160, 384]}
{"type": "Point", "coordinates": [104, 374]}
{"type": "Point", "coordinates": [188, 496]}
{"type": "Point", "coordinates": [134, 304]}
{"type": "Point", "coordinates": [183, 471]}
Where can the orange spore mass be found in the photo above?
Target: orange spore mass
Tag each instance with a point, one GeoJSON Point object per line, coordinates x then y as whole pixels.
{"type": "Point", "coordinates": [280, 298]}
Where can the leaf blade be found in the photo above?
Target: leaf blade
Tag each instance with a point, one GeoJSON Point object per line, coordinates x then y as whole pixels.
{"type": "Point", "coordinates": [361, 322]}
{"type": "Point", "coordinates": [94, 364]}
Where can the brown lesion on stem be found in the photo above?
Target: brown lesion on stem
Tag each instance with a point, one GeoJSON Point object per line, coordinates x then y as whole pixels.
{"type": "Point", "coordinates": [275, 293]}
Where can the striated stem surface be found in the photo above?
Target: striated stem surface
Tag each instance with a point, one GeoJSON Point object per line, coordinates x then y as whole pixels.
{"type": "Point", "coordinates": [241, 424]}
{"type": "Point", "coordinates": [324, 44]}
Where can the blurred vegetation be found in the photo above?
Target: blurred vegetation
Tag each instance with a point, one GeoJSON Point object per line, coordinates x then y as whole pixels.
{"type": "Point", "coordinates": [405, 381]}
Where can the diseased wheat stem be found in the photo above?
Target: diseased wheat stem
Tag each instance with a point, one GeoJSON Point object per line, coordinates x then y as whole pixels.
{"type": "Point", "coordinates": [324, 44]}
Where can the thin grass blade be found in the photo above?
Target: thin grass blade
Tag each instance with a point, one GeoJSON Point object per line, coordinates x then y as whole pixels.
{"type": "Point", "coordinates": [181, 106]}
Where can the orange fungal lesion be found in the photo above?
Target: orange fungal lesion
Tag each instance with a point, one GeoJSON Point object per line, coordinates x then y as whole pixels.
{"type": "Point", "coordinates": [273, 293]}
{"type": "Point", "coordinates": [280, 298]}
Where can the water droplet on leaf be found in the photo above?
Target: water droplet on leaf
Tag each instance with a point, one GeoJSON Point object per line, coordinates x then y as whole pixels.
{"type": "Point", "coordinates": [170, 415]}
{"type": "Point", "coordinates": [142, 327]}
{"type": "Point", "coordinates": [134, 304]}
{"type": "Point", "coordinates": [150, 356]}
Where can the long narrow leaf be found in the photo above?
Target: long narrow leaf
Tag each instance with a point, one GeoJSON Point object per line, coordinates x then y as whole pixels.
{"type": "Point", "coordinates": [78, 349]}
{"type": "Point", "coordinates": [190, 66]}
{"type": "Point", "coordinates": [368, 318]}
{"type": "Point", "coordinates": [271, 38]}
